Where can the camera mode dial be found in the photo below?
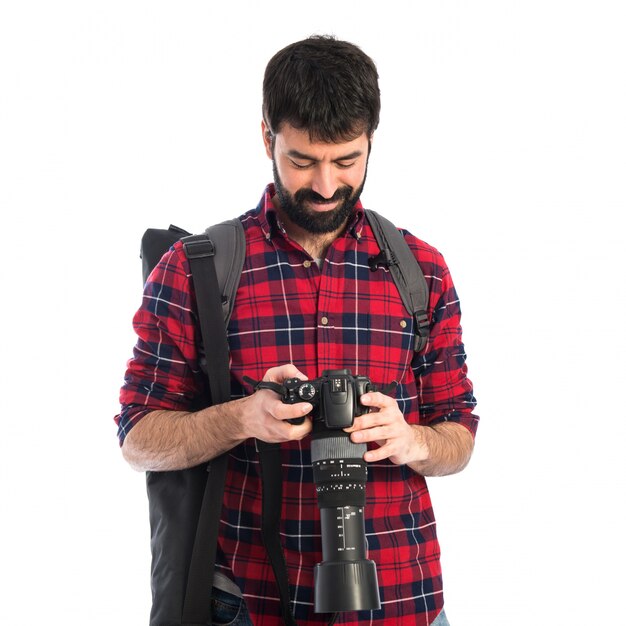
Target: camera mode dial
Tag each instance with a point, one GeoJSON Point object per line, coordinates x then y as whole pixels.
{"type": "Point", "coordinates": [306, 391]}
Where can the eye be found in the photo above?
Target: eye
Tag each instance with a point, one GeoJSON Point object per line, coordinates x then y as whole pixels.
{"type": "Point", "coordinates": [345, 164]}
{"type": "Point", "coordinates": [301, 166]}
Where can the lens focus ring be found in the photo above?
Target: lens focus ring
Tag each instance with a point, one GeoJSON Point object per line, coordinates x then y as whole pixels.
{"type": "Point", "coordinates": [336, 448]}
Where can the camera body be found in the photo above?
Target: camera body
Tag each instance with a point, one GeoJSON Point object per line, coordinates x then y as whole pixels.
{"type": "Point", "coordinates": [335, 396]}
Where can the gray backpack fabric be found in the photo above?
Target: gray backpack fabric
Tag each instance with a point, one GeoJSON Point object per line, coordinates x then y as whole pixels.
{"type": "Point", "coordinates": [406, 272]}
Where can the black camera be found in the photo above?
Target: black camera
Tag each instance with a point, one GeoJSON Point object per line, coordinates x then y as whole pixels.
{"type": "Point", "coordinates": [335, 396]}
{"type": "Point", "coordinates": [345, 580]}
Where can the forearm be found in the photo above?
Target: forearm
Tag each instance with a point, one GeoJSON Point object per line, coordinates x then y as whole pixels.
{"type": "Point", "coordinates": [173, 440]}
{"type": "Point", "coordinates": [445, 448]}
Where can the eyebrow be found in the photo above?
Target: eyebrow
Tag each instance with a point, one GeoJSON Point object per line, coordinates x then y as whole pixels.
{"type": "Point", "coordinates": [296, 154]}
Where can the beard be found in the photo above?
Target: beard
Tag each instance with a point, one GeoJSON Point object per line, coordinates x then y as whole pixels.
{"type": "Point", "coordinates": [318, 223]}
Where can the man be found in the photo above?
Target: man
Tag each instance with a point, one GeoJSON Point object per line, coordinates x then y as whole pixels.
{"type": "Point", "coordinates": [308, 302]}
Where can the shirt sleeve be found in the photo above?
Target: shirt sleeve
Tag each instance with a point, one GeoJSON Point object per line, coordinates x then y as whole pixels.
{"type": "Point", "coordinates": [445, 391]}
{"type": "Point", "coordinates": [164, 372]}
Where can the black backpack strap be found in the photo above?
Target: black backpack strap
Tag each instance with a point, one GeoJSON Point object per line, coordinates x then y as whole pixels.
{"type": "Point", "coordinates": [205, 268]}
{"type": "Point", "coordinates": [229, 266]}
{"type": "Point", "coordinates": [200, 252]}
{"type": "Point", "coordinates": [406, 271]}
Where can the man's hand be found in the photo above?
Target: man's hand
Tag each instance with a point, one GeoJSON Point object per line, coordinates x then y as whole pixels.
{"type": "Point", "coordinates": [264, 415]}
{"type": "Point", "coordinates": [444, 448]}
{"type": "Point", "coordinates": [386, 426]}
{"type": "Point", "coordinates": [173, 440]}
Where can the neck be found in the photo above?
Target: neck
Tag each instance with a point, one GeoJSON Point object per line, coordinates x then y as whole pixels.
{"type": "Point", "coordinates": [315, 244]}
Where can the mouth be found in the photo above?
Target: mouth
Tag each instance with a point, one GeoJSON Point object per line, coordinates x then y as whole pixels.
{"type": "Point", "coordinates": [324, 205]}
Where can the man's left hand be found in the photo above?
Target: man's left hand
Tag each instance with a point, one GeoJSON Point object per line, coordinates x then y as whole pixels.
{"type": "Point", "coordinates": [438, 450]}
{"type": "Point", "coordinates": [385, 425]}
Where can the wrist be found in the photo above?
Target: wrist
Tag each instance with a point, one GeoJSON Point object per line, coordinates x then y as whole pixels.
{"type": "Point", "coordinates": [421, 443]}
{"type": "Point", "coordinates": [447, 448]}
{"type": "Point", "coordinates": [228, 420]}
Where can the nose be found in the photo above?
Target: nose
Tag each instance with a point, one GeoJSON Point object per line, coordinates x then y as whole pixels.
{"type": "Point", "coordinates": [324, 181]}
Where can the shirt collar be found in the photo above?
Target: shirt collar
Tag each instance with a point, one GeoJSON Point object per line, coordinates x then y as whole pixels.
{"type": "Point", "coordinates": [270, 223]}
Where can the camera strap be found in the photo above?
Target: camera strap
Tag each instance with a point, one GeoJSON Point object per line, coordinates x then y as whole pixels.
{"type": "Point", "coordinates": [265, 384]}
{"type": "Point", "coordinates": [272, 497]}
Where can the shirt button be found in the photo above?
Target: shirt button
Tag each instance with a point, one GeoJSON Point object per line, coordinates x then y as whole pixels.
{"type": "Point", "coordinates": [324, 321]}
{"type": "Point", "coordinates": [307, 264]}
{"type": "Point", "coordinates": [403, 324]}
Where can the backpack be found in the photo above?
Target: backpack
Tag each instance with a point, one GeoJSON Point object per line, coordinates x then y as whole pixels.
{"type": "Point", "coordinates": [185, 505]}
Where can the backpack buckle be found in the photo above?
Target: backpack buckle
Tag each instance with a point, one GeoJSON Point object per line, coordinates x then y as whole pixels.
{"type": "Point", "coordinates": [384, 259]}
{"type": "Point", "coordinates": [198, 247]}
{"type": "Point", "coordinates": [421, 334]}
{"type": "Point", "coordinates": [421, 317]}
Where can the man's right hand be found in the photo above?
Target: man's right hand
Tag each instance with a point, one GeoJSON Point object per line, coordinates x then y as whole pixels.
{"type": "Point", "coordinates": [264, 415]}
{"type": "Point", "coordinates": [173, 440]}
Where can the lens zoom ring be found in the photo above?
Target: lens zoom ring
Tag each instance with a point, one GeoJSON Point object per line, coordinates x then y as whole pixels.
{"type": "Point", "coordinates": [336, 448]}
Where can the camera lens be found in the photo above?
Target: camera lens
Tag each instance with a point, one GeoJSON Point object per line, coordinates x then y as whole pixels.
{"type": "Point", "coordinates": [345, 580]}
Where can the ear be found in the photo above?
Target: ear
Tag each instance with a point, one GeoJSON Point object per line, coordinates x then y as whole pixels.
{"type": "Point", "coordinates": [267, 139]}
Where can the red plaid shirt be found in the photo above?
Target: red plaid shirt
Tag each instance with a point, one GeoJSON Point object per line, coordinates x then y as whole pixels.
{"type": "Point", "coordinates": [343, 315]}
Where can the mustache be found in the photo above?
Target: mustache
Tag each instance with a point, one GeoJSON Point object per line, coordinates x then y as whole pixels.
{"type": "Point", "coordinates": [302, 195]}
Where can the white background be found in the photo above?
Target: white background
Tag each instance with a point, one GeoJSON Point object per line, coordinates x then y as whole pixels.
{"type": "Point", "coordinates": [502, 142]}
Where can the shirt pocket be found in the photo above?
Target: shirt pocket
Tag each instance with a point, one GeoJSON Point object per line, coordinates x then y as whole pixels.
{"type": "Point", "coordinates": [389, 343]}
{"type": "Point", "coordinates": [374, 334]}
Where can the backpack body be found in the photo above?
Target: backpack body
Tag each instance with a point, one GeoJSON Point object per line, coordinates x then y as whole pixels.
{"type": "Point", "coordinates": [185, 505]}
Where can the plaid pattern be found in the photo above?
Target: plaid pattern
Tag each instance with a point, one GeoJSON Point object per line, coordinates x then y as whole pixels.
{"type": "Point", "coordinates": [340, 316]}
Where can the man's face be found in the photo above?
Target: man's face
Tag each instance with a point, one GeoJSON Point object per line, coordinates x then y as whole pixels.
{"type": "Point", "coordinates": [317, 184]}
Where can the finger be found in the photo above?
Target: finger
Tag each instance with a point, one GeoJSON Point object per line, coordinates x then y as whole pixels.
{"type": "Point", "coordinates": [369, 420]}
{"type": "Point", "coordinates": [291, 431]}
{"type": "Point", "coordinates": [299, 431]}
{"type": "Point", "coordinates": [370, 434]}
{"type": "Point", "coordinates": [279, 431]}
{"type": "Point", "coordinates": [280, 373]}
{"type": "Point", "coordinates": [377, 454]}
{"type": "Point", "coordinates": [377, 399]}
{"type": "Point", "coordinates": [291, 411]}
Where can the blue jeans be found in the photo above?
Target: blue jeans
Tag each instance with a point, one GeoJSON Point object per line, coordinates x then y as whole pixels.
{"type": "Point", "coordinates": [229, 610]}
{"type": "Point", "coordinates": [441, 620]}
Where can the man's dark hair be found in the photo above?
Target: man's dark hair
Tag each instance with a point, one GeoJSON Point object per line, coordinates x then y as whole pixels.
{"type": "Point", "coordinates": [323, 85]}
